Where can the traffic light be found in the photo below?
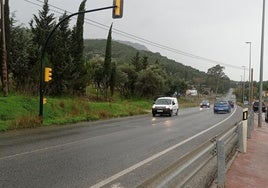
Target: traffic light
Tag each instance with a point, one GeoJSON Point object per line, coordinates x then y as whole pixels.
{"type": "Point", "coordinates": [44, 100]}
{"type": "Point", "coordinates": [118, 10]}
{"type": "Point", "coordinates": [48, 74]}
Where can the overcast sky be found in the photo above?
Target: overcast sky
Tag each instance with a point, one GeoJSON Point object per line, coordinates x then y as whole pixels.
{"type": "Point", "coordinates": [216, 30]}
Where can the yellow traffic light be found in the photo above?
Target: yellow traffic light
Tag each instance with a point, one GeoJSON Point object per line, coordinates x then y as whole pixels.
{"type": "Point", "coordinates": [118, 10]}
{"type": "Point", "coordinates": [48, 74]}
{"type": "Point", "coordinates": [44, 100]}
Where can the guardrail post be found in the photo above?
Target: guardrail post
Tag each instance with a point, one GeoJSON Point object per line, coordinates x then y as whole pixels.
{"type": "Point", "coordinates": [221, 164]}
{"type": "Point", "coordinates": [241, 142]}
{"type": "Point", "coordinates": [250, 123]}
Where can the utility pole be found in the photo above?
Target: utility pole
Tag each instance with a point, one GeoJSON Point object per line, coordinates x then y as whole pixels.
{"type": "Point", "coordinates": [249, 75]}
{"type": "Point", "coordinates": [261, 66]}
{"type": "Point", "coordinates": [243, 94]}
{"type": "Point", "coordinates": [4, 52]}
{"type": "Point", "coordinates": [251, 87]}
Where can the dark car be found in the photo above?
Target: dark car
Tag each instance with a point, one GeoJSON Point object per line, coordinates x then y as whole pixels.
{"type": "Point", "coordinates": [266, 116]}
{"type": "Point", "coordinates": [222, 107]}
{"type": "Point", "coordinates": [231, 103]}
{"type": "Point", "coordinates": [255, 106]}
{"type": "Point", "coordinates": [205, 104]}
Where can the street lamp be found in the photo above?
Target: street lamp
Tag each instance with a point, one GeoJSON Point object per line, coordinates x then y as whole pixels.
{"type": "Point", "coordinates": [241, 85]}
{"type": "Point", "coordinates": [261, 66]}
{"type": "Point", "coordinates": [243, 91]}
{"type": "Point", "coordinates": [249, 75]}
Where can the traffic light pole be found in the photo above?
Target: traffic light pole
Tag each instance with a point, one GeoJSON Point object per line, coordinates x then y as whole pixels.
{"type": "Point", "coordinates": [41, 87]}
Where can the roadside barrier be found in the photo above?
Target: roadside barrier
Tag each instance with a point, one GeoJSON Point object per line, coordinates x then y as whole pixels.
{"type": "Point", "coordinates": [207, 165]}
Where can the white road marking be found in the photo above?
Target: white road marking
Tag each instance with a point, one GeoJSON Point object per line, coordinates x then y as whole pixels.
{"type": "Point", "coordinates": [43, 149]}
{"type": "Point", "coordinates": [124, 172]}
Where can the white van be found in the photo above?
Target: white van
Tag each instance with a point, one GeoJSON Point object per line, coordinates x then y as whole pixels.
{"type": "Point", "coordinates": [165, 105]}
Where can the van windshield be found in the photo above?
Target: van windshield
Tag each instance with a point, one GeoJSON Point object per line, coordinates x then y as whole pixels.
{"type": "Point", "coordinates": [163, 101]}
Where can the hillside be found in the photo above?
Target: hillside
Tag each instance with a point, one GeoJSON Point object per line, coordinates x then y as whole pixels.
{"type": "Point", "coordinates": [123, 53]}
{"type": "Point", "coordinates": [137, 46]}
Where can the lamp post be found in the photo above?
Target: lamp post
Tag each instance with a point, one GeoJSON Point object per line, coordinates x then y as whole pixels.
{"type": "Point", "coordinates": [249, 75]}
{"type": "Point", "coordinates": [241, 84]}
{"type": "Point", "coordinates": [243, 91]}
{"type": "Point", "coordinates": [261, 66]}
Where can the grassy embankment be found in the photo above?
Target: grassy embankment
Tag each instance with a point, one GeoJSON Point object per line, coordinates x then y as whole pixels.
{"type": "Point", "coordinates": [21, 111]}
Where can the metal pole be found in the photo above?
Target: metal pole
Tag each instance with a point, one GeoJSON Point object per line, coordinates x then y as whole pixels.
{"type": "Point", "coordinates": [241, 81]}
{"type": "Point", "coordinates": [249, 71]}
{"type": "Point", "coordinates": [41, 89]}
{"type": "Point", "coordinates": [261, 67]}
{"type": "Point", "coordinates": [244, 86]}
{"type": "Point", "coordinates": [221, 164]}
{"type": "Point", "coordinates": [251, 83]}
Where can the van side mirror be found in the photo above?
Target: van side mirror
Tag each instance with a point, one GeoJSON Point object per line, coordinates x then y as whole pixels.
{"type": "Point", "coordinates": [173, 103]}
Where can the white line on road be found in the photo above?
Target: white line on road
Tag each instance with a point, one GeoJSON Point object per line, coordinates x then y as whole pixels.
{"type": "Point", "coordinates": [124, 172]}
{"type": "Point", "coordinates": [43, 149]}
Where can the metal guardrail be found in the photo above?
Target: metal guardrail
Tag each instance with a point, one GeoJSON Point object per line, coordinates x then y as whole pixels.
{"type": "Point", "coordinates": [206, 165]}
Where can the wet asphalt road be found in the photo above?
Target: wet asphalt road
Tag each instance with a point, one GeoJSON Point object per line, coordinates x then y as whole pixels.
{"type": "Point", "coordinates": [121, 152]}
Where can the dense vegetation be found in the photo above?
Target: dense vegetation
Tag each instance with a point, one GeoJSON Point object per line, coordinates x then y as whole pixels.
{"type": "Point", "coordinates": [107, 66]}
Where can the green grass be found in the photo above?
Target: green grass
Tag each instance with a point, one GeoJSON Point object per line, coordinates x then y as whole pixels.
{"type": "Point", "coordinates": [19, 111]}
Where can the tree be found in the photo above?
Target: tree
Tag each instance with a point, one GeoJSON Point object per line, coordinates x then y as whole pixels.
{"type": "Point", "coordinates": [61, 58]}
{"type": "Point", "coordinates": [144, 62]}
{"type": "Point", "coordinates": [77, 68]}
{"type": "Point", "coordinates": [23, 56]}
{"type": "Point", "coordinates": [128, 72]}
{"type": "Point", "coordinates": [107, 63]}
{"type": "Point", "coordinates": [135, 61]}
{"type": "Point", "coordinates": [175, 86]}
{"type": "Point", "coordinates": [96, 69]}
{"type": "Point", "coordinates": [214, 75]}
{"type": "Point", "coordinates": [121, 82]}
{"type": "Point", "coordinates": [113, 78]}
{"type": "Point", "coordinates": [41, 26]}
{"type": "Point", "coordinates": [151, 81]}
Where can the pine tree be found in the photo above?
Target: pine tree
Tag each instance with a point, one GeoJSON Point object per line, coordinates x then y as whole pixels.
{"type": "Point", "coordinates": [61, 58]}
{"type": "Point", "coordinates": [77, 68]}
{"type": "Point", "coordinates": [107, 63]}
{"type": "Point", "coordinates": [41, 26]}
{"type": "Point", "coordinates": [113, 78]}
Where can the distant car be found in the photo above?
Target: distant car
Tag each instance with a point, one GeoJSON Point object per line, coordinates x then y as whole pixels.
{"type": "Point", "coordinates": [222, 107]}
{"type": "Point", "coordinates": [255, 106]}
{"type": "Point", "coordinates": [246, 102]}
{"type": "Point", "coordinates": [231, 103]}
{"type": "Point", "coordinates": [205, 104]}
{"type": "Point", "coordinates": [165, 105]}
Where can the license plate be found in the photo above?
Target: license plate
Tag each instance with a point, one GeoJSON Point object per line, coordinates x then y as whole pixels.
{"type": "Point", "coordinates": [159, 110]}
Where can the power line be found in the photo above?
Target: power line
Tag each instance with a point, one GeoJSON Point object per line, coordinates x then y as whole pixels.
{"type": "Point", "coordinates": [134, 37]}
